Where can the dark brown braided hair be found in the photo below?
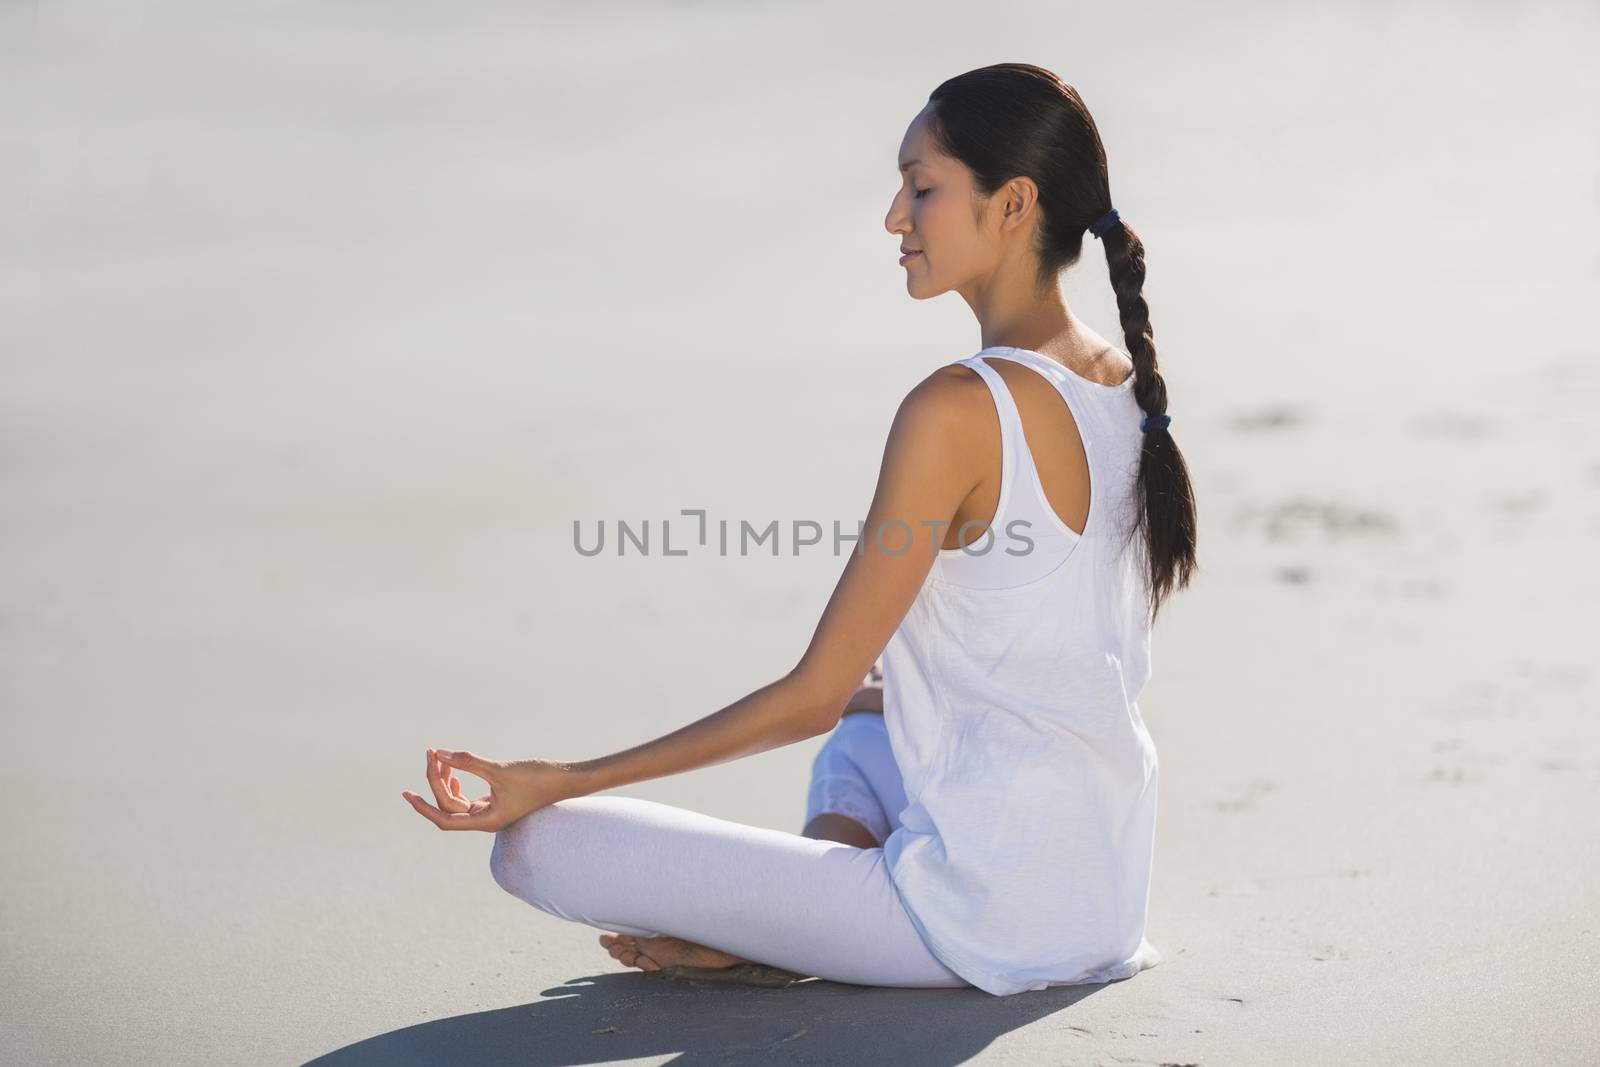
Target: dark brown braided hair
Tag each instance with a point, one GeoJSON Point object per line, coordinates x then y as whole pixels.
{"type": "Point", "coordinates": [1014, 119]}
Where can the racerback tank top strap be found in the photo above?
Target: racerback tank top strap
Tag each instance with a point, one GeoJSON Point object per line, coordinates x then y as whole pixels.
{"type": "Point", "coordinates": [1013, 442]}
{"type": "Point", "coordinates": [1026, 540]}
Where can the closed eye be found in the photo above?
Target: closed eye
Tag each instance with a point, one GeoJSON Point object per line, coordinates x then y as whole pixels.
{"type": "Point", "coordinates": [919, 193]}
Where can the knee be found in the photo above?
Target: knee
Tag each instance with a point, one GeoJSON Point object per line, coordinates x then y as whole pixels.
{"type": "Point", "coordinates": [504, 861]}
{"type": "Point", "coordinates": [533, 858]}
{"type": "Point", "coordinates": [516, 856]}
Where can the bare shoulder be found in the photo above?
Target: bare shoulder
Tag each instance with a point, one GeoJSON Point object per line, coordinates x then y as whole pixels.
{"type": "Point", "coordinates": [940, 434]}
{"type": "Point", "coordinates": [952, 399]}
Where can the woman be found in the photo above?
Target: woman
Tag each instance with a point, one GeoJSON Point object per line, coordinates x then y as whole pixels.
{"type": "Point", "coordinates": [993, 826]}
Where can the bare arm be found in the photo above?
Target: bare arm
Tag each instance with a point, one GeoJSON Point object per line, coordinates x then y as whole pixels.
{"type": "Point", "coordinates": [934, 457]}
{"type": "Point", "coordinates": [930, 464]}
{"type": "Point", "coordinates": [773, 716]}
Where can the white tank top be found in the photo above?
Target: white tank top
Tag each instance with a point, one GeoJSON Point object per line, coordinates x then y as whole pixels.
{"type": "Point", "coordinates": [1010, 694]}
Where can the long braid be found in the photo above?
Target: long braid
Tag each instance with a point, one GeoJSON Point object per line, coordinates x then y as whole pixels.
{"type": "Point", "coordinates": [1012, 119]}
{"type": "Point", "coordinates": [1167, 515]}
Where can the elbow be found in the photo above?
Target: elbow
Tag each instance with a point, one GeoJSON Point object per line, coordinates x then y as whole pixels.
{"type": "Point", "coordinates": [818, 704]}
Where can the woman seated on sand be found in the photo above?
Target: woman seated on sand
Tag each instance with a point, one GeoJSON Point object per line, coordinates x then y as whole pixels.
{"type": "Point", "coordinates": [987, 818]}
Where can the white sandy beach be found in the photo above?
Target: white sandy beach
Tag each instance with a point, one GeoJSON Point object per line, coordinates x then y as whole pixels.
{"type": "Point", "coordinates": [322, 325]}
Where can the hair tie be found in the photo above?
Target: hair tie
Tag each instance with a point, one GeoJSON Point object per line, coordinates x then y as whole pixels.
{"type": "Point", "coordinates": [1100, 225]}
{"type": "Point", "coordinates": [1155, 422]}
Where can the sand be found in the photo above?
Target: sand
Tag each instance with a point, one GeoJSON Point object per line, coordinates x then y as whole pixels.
{"type": "Point", "coordinates": [323, 326]}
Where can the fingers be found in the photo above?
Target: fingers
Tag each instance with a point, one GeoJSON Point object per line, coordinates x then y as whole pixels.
{"type": "Point", "coordinates": [439, 781]}
{"type": "Point", "coordinates": [480, 820]}
{"type": "Point", "coordinates": [438, 775]}
{"type": "Point", "coordinates": [467, 761]}
{"type": "Point", "coordinates": [454, 811]}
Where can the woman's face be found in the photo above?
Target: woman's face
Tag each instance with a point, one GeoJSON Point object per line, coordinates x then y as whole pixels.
{"type": "Point", "coordinates": [934, 213]}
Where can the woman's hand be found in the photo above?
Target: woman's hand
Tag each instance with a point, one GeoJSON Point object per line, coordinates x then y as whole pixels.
{"type": "Point", "coordinates": [515, 789]}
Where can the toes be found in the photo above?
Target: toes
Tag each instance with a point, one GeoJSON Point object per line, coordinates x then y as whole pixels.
{"type": "Point", "coordinates": [625, 948]}
{"type": "Point", "coordinates": [620, 946]}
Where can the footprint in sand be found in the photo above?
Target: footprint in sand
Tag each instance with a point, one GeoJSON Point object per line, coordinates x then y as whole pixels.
{"type": "Point", "coordinates": [1566, 677]}
{"type": "Point", "coordinates": [1276, 417]}
{"type": "Point", "coordinates": [1452, 776]}
{"type": "Point", "coordinates": [1291, 520]}
{"type": "Point", "coordinates": [1519, 505]}
{"type": "Point", "coordinates": [1245, 796]}
{"type": "Point", "coordinates": [1411, 589]}
{"type": "Point", "coordinates": [1456, 425]}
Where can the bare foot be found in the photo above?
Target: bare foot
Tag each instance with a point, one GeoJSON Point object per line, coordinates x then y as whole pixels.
{"type": "Point", "coordinates": [654, 953]}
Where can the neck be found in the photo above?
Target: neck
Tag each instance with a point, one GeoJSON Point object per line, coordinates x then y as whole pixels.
{"type": "Point", "coordinates": [1049, 328]}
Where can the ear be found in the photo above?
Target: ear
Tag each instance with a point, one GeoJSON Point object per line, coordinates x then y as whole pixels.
{"type": "Point", "coordinates": [1017, 199]}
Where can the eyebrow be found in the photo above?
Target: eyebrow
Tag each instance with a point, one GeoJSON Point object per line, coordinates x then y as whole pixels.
{"type": "Point", "coordinates": [911, 163]}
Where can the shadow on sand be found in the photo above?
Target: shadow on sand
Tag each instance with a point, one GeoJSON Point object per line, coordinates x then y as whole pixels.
{"type": "Point", "coordinates": [622, 1017]}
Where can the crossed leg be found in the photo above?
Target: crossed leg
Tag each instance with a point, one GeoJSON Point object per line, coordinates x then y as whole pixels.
{"type": "Point", "coordinates": [853, 773]}
{"type": "Point", "coordinates": [653, 953]}
{"type": "Point", "coordinates": [831, 796]}
{"type": "Point", "coordinates": [812, 907]}
{"type": "Point", "coordinates": [836, 825]}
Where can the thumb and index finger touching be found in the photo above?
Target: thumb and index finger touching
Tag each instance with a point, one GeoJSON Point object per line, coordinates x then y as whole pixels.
{"type": "Point", "coordinates": [465, 761]}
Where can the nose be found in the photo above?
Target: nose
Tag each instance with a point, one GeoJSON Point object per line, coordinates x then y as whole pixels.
{"type": "Point", "coordinates": [895, 221]}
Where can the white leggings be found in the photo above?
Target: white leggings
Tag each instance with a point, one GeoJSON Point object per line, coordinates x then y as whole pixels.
{"type": "Point", "coordinates": [818, 908]}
